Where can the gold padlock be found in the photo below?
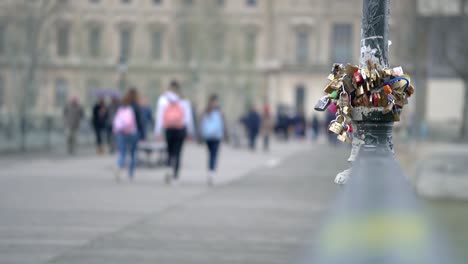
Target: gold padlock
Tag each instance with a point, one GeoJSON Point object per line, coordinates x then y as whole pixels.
{"type": "Point", "coordinates": [360, 91]}
{"type": "Point", "coordinates": [344, 137]}
{"type": "Point", "coordinates": [347, 110]}
{"type": "Point", "coordinates": [337, 126]}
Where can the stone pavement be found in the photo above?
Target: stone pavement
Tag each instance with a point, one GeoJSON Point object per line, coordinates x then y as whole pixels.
{"type": "Point", "coordinates": [264, 210]}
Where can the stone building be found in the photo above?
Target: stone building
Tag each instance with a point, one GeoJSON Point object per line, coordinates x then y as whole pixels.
{"type": "Point", "coordinates": [249, 51]}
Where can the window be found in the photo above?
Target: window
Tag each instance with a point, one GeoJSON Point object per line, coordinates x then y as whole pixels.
{"type": "Point", "coordinates": [218, 51]}
{"type": "Point", "coordinates": [156, 45]}
{"type": "Point", "coordinates": [2, 93]}
{"type": "Point", "coordinates": [2, 39]}
{"type": "Point", "coordinates": [250, 46]}
{"type": "Point", "coordinates": [342, 43]}
{"type": "Point", "coordinates": [125, 44]}
{"type": "Point", "coordinates": [157, 2]}
{"type": "Point", "coordinates": [302, 47]}
{"type": "Point", "coordinates": [63, 40]}
{"type": "Point", "coordinates": [61, 92]}
{"type": "Point", "coordinates": [94, 41]}
{"type": "Point", "coordinates": [251, 3]}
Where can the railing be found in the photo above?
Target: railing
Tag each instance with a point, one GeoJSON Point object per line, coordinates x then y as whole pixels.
{"type": "Point", "coordinates": [37, 132]}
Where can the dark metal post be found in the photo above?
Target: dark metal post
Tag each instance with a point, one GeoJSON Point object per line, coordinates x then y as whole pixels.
{"type": "Point", "coordinates": [373, 127]}
{"type": "Point", "coordinates": [375, 32]}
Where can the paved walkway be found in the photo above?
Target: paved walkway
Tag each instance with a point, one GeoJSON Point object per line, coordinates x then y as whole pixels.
{"type": "Point", "coordinates": [264, 210]}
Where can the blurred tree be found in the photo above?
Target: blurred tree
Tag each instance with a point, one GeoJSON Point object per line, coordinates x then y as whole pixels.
{"type": "Point", "coordinates": [27, 47]}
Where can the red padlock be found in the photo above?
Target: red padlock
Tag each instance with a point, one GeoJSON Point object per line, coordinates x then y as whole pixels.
{"type": "Point", "coordinates": [349, 128]}
{"type": "Point", "coordinates": [358, 77]}
{"type": "Point", "coordinates": [375, 99]}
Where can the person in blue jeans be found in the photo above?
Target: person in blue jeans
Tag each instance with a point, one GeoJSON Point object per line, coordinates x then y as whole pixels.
{"type": "Point", "coordinates": [213, 131]}
{"type": "Point", "coordinates": [127, 128]}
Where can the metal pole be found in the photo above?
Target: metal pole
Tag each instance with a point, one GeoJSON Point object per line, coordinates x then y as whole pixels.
{"type": "Point", "coordinates": [373, 127]}
{"type": "Point", "coordinates": [375, 32]}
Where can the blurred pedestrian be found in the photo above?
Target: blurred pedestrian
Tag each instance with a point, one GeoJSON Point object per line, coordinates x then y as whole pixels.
{"type": "Point", "coordinates": [174, 119]}
{"type": "Point", "coordinates": [146, 116]}
{"type": "Point", "coordinates": [300, 125]}
{"type": "Point", "coordinates": [127, 128]}
{"type": "Point", "coordinates": [315, 126]}
{"type": "Point", "coordinates": [73, 113]}
{"type": "Point", "coordinates": [112, 110]}
{"type": "Point", "coordinates": [267, 128]}
{"type": "Point", "coordinates": [99, 121]}
{"type": "Point", "coordinates": [252, 122]}
{"type": "Point", "coordinates": [212, 130]}
{"type": "Point", "coordinates": [282, 124]}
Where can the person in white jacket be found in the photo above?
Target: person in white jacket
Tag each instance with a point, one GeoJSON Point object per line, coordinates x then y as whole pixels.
{"type": "Point", "coordinates": [174, 122]}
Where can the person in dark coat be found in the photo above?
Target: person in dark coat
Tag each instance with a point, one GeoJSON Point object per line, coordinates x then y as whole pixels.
{"type": "Point", "coordinates": [315, 125]}
{"type": "Point", "coordinates": [99, 122]}
{"type": "Point", "coordinates": [252, 122]}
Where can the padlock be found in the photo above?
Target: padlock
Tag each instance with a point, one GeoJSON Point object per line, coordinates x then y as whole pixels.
{"type": "Point", "coordinates": [365, 100]}
{"type": "Point", "coordinates": [387, 89]}
{"type": "Point", "coordinates": [360, 90]}
{"type": "Point", "coordinates": [337, 84]}
{"type": "Point", "coordinates": [331, 77]}
{"type": "Point", "coordinates": [375, 99]}
{"type": "Point", "coordinates": [333, 95]}
{"type": "Point", "coordinates": [337, 68]}
{"type": "Point", "coordinates": [348, 84]}
{"type": "Point", "coordinates": [344, 137]}
{"type": "Point", "coordinates": [399, 99]}
{"type": "Point", "coordinates": [368, 86]}
{"type": "Point", "coordinates": [337, 126]}
{"type": "Point", "coordinates": [344, 99]}
{"type": "Point", "coordinates": [387, 72]}
{"type": "Point", "coordinates": [351, 69]}
{"type": "Point", "coordinates": [398, 71]}
{"type": "Point", "coordinates": [390, 105]}
{"type": "Point", "coordinates": [357, 77]}
{"type": "Point", "coordinates": [410, 90]}
{"type": "Point", "coordinates": [322, 104]}
{"type": "Point", "coordinates": [347, 110]}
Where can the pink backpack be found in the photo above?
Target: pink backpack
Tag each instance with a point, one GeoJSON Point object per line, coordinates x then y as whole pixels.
{"type": "Point", "coordinates": [125, 121]}
{"type": "Point", "coordinates": [174, 116]}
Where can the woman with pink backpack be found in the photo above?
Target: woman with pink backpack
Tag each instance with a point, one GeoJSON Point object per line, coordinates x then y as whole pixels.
{"type": "Point", "coordinates": [127, 128]}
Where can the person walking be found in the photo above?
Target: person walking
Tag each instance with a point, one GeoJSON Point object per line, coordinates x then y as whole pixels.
{"type": "Point", "coordinates": [213, 131]}
{"type": "Point", "coordinates": [315, 126]}
{"type": "Point", "coordinates": [174, 119]}
{"type": "Point", "coordinates": [267, 128]}
{"type": "Point", "coordinates": [252, 121]}
{"type": "Point", "coordinates": [99, 121]}
{"type": "Point", "coordinates": [127, 128]}
{"type": "Point", "coordinates": [73, 113]}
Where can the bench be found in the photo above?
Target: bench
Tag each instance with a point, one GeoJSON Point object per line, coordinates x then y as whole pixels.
{"type": "Point", "coordinates": [155, 153]}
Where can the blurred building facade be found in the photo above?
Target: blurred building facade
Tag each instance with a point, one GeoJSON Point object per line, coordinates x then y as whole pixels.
{"type": "Point", "coordinates": [249, 51]}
